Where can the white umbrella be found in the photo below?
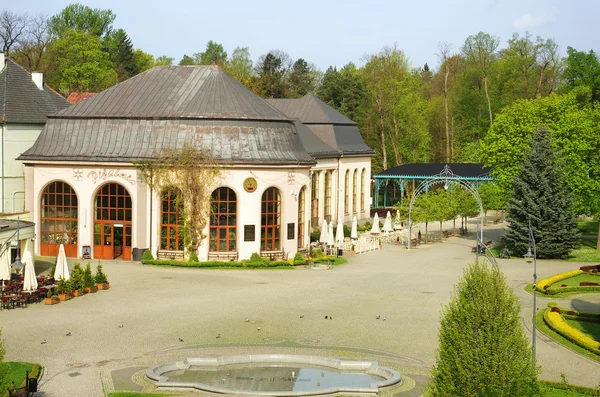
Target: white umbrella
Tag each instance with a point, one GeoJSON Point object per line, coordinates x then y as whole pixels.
{"type": "Point", "coordinates": [30, 280]}
{"type": "Point", "coordinates": [375, 228]}
{"type": "Point", "coordinates": [354, 233]}
{"type": "Point", "coordinates": [62, 268]}
{"type": "Point", "coordinates": [330, 235]}
{"type": "Point", "coordinates": [5, 266]}
{"type": "Point", "coordinates": [323, 237]}
{"type": "Point", "coordinates": [339, 233]}
{"type": "Point", "coordinates": [387, 225]}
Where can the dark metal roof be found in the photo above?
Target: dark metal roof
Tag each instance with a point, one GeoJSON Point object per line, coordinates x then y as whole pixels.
{"type": "Point", "coordinates": [310, 110]}
{"type": "Point", "coordinates": [314, 145]}
{"type": "Point", "coordinates": [21, 101]}
{"type": "Point", "coordinates": [128, 140]}
{"type": "Point", "coordinates": [423, 171]}
{"type": "Point", "coordinates": [345, 139]}
{"type": "Point", "coordinates": [192, 92]}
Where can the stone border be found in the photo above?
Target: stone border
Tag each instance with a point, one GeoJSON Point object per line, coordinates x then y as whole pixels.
{"type": "Point", "coordinates": [392, 378]}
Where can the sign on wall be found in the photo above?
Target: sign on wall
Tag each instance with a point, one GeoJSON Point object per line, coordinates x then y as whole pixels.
{"type": "Point", "coordinates": [250, 185]}
{"type": "Point", "coordinates": [102, 175]}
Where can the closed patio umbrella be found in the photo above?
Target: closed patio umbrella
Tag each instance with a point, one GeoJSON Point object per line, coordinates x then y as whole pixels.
{"type": "Point", "coordinates": [5, 266]}
{"type": "Point", "coordinates": [323, 237]}
{"type": "Point", "coordinates": [339, 233]}
{"type": "Point", "coordinates": [354, 232]}
{"type": "Point", "coordinates": [62, 269]}
{"type": "Point", "coordinates": [330, 235]}
{"type": "Point", "coordinates": [387, 225]}
{"type": "Point", "coordinates": [375, 227]}
{"type": "Point", "coordinates": [29, 280]}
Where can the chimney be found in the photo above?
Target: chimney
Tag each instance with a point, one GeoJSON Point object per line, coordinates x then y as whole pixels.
{"type": "Point", "coordinates": [38, 79]}
{"type": "Point", "coordinates": [2, 61]}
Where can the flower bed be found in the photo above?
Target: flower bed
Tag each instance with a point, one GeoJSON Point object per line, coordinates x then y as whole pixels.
{"type": "Point", "coordinates": [554, 319]}
{"type": "Point", "coordinates": [544, 284]}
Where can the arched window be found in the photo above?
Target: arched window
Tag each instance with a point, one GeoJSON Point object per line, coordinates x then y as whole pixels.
{"type": "Point", "coordinates": [314, 195]}
{"type": "Point", "coordinates": [270, 228]}
{"type": "Point", "coordinates": [301, 199]}
{"type": "Point", "coordinates": [354, 178]}
{"type": "Point", "coordinates": [171, 238]}
{"type": "Point", "coordinates": [223, 221]}
{"type": "Point", "coordinates": [346, 188]}
{"type": "Point", "coordinates": [328, 177]}
{"type": "Point", "coordinates": [362, 190]}
{"type": "Point", "coordinates": [59, 219]}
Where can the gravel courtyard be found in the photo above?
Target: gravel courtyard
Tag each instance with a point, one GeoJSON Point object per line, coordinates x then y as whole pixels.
{"type": "Point", "coordinates": [157, 306]}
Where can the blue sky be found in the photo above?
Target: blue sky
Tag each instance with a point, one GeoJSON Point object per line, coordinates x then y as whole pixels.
{"type": "Point", "coordinates": [337, 32]}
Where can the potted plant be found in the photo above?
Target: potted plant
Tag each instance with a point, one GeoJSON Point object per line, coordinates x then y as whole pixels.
{"type": "Point", "coordinates": [100, 278]}
{"type": "Point", "coordinates": [64, 289]}
{"type": "Point", "coordinates": [398, 240]}
{"type": "Point", "coordinates": [51, 298]}
{"type": "Point", "coordinates": [77, 280]}
{"type": "Point", "coordinates": [352, 250]}
{"type": "Point", "coordinates": [88, 280]}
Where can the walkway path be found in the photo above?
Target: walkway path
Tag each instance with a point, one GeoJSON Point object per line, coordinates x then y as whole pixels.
{"type": "Point", "coordinates": [157, 306]}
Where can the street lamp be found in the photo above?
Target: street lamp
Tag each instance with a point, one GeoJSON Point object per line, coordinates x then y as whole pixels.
{"type": "Point", "coordinates": [530, 257]}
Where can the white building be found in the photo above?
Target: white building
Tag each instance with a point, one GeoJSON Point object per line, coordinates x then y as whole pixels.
{"type": "Point", "coordinates": [25, 101]}
{"type": "Point", "coordinates": [84, 190]}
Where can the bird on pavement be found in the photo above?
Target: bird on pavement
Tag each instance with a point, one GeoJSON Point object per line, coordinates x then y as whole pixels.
{"type": "Point", "coordinates": [331, 318]}
{"type": "Point", "coordinates": [180, 340]}
{"type": "Point", "coordinates": [121, 325]}
{"type": "Point", "coordinates": [326, 317]}
{"type": "Point", "coordinates": [378, 317]}
{"type": "Point", "coordinates": [218, 336]}
{"type": "Point", "coordinates": [258, 329]}
{"type": "Point", "coordinates": [44, 342]}
{"type": "Point", "coordinates": [68, 334]}
{"type": "Point", "coordinates": [246, 320]}
{"type": "Point", "coordinates": [384, 318]}
{"type": "Point", "coordinates": [302, 316]}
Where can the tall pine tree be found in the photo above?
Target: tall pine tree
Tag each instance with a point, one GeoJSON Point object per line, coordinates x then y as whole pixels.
{"type": "Point", "coordinates": [483, 347]}
{"type": "Point", "coordinates": [541, 194]}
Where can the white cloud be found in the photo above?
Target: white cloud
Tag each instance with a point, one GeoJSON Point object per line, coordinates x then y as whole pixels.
{"type": "Point", "coordinates": [527, 21]}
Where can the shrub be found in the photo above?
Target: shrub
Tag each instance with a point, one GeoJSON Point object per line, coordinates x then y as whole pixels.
{"type": "Point", "coordinates": [315, 236]}
{"type": "Point", "coordinates": [593, 288]}
{"type": "Point", "coordinates": [147, 256]}
{"type": "Point", "coordinates": [547, 282]}
{"type": "Point", "coordinates": [558, 324]}
{"type": "Point", "coordinates": [299, 259]}
{"type": "Point", "coordinates": [88, 277]}
{"type": "Point", "coordinates": [255, 257]}
{"type": "Point", "coordinates": [100, 277]}
{"type": "Point", "coordinates": [316, 253]}
{"type": "Point", "coordinates": [77, 277]}
{"type": "Point", "coordinates": [222, 264]}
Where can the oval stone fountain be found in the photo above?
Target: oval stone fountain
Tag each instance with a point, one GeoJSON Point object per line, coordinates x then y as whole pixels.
{"type": "Point", "coordinates": [274, 375]}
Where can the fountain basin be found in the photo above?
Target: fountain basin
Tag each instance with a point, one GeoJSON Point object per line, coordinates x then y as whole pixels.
{"type": "Point", "coordinates": [274, 375]}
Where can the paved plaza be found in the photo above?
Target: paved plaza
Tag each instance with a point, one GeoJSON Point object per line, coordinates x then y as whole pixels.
{"type": "Point", "coordinates": [157, 306]}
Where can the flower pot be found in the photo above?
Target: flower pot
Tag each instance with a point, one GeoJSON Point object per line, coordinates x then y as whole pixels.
{"type": "Point", "coordinates": [103, 286]}
{"type": "Point", "coordinates": [64, 297]}
{"type": "Point", "coordinates": [51, 301]}
{"type": "Point", "coordinates": [352, 252]}
{"type": "Point", "coordinates": [88, 290]}
{"type": "Point", "coordinates": [76, 293]}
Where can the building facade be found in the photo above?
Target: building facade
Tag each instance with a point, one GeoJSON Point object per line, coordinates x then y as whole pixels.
{"type": "Point", "coordinates": [86, 192]}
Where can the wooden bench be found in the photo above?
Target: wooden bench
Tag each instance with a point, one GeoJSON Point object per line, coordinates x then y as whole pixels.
{"type": "Point", "coordinates": [276, 255]}
{"type": "Point", "coordinates": [172, 255]}
{"type": "Point", "coordinates": [222, 256]}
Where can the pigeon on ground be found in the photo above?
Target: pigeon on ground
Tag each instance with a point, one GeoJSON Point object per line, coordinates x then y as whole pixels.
{"type": "Point", "coordinates": [218, 336]}
{"type": "Point", "coordinates": [378, 317]}
{"type": "Point", "coordinates": [258, 329]}
{"type": "Point", "coordinates": [246, 320]}
{"type": "Point", "coordinates": [331, 318]}
{"type": "Point", "coordinates": [326, 317]}
{"type": "Point", "coordinates": [302, 316]}
{"type": "Point", "coordinates": [384, 318]}
{"type": "Point", "coordinates": [180, 340]}
{"type": "Point", "coordinates": [68, 334]}
{"type": "Point", "coordinates": [44, 342]}
{"type": "Point", "coordinates": [121, 325]}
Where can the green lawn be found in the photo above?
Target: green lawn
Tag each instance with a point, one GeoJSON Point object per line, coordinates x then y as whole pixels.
{"type": "Point", "coordinates": [18, 370]}
{"type": "Point", "coordinates": [135, 394]}
{"type": "Point", "coordinates": [588, 227]}
{"type": "Point", "coordinates": [586, 252]}
{"type": "Point", "coordinates": [574, 281]}
{"type": "Point", "coordinates": [587, 327]}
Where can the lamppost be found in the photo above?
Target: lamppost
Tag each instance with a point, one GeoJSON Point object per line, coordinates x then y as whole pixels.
{"type": "Point", "coordinates": [17, 264]}
{"type": "Point", "coordinates": [529, 258]}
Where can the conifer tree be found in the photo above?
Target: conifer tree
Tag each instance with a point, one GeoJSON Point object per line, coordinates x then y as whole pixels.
{"type": "Point", "coordinates": [483, 347]}
{"type": "Point", "coordinates": [541, 194]}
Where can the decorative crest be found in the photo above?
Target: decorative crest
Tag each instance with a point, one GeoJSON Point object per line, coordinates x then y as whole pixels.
{"type": "Point", "coordinates": [446, 173]}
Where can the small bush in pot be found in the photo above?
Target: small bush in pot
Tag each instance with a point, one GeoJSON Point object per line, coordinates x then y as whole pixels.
{"type": "Point", "coordinates": [88, 279]}
{"type": "Point", "coordinates": [77, 279]}
{"type": "Point", "coordinates": [100, 278]}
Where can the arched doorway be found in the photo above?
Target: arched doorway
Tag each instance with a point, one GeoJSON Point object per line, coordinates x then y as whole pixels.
{"type": "Point", "coordinates": [112, 222]}
{"type": "Point", "coordinates": [58, 209]}
{"type": "Point", "coordinates": [270, 233]}
{"type": "Point", "coordinates": [223, 221]}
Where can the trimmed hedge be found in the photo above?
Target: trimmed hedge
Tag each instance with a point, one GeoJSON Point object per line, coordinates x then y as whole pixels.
{"type": "Point", "coordinates": [571, 289]}
{"type": "Point", "coordinates": [555, 321]}
{"type": "Point", "coordinates": [577, 389]}
{"type": "Point", "coordinates": [544, 284]}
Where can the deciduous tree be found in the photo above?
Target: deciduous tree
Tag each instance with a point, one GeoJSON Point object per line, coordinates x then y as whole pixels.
{"type": "Point", "coordinates": [164, 60]}
{"type": "Point", "coordinates": [239, 65]}
{"type": "Point", "coordinates": [214, 53]}
{"type": "Point", "coordinates": [582, 71]}
{"type": "Point", "coordinates": [12, 27]}
{"type": "Point", "coordinates": [95, 21]}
